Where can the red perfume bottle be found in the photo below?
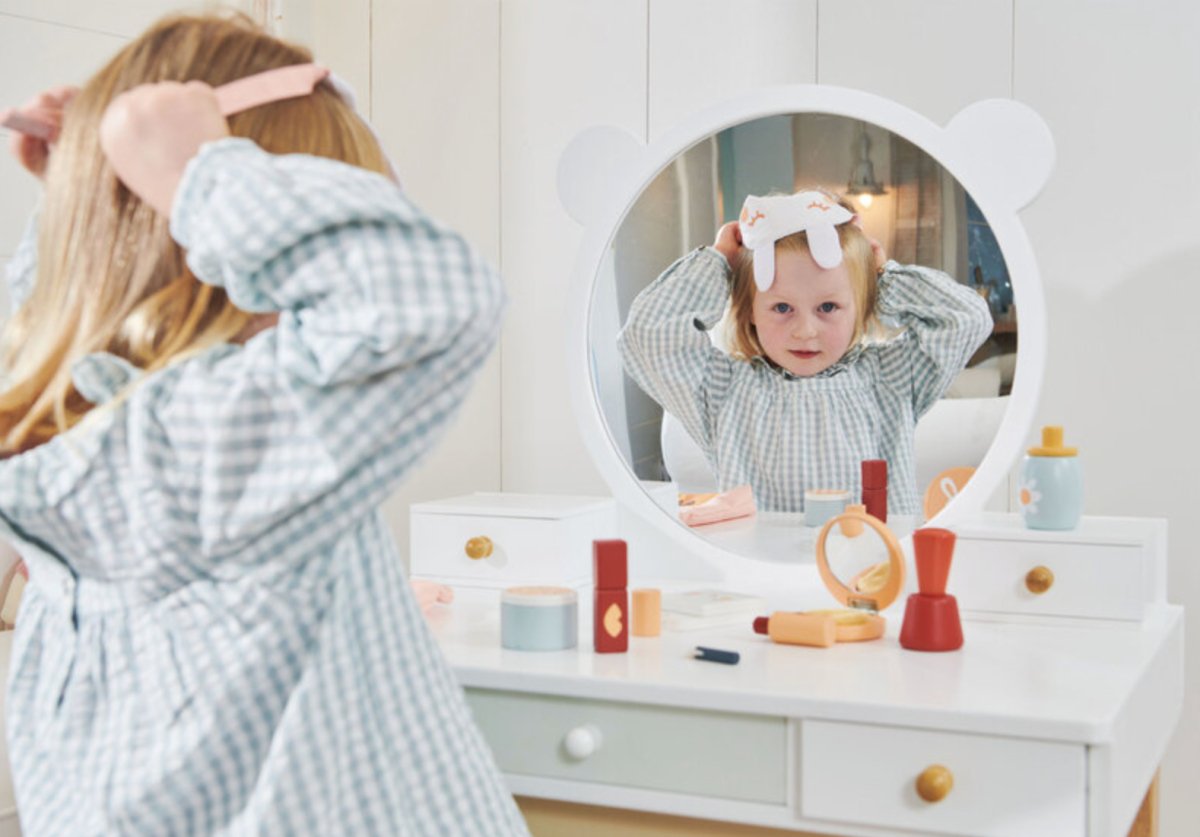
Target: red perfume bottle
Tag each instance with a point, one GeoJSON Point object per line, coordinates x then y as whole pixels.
{"type": "Point", "coordinates": [931, 620]}
{"type": "Point", "coordinates": [610, 611]}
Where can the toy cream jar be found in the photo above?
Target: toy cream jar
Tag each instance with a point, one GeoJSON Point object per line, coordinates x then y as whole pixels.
{"type": "Point", "coordinates": [539, 618]}
{"type": "Point", "coordinates": [1051, 485]}
{"type": "Point", "coordinates": [823, 503]}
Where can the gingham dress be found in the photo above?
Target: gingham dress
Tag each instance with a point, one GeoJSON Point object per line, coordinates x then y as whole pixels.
{"type": "Point", "coordinates": [785, 434]}
{"type": "Point", "coordinates": [217, 636]}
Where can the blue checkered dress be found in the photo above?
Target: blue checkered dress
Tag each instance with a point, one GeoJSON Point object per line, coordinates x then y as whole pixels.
{"type": "Point", "coordinates": [783, 434]}
{"type": "Point", "coordinates": [217, 636]}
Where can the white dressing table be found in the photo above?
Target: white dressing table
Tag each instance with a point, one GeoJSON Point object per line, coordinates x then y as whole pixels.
{"type": "Point", "coordinates": [1051, 719]}
{"type": "Point", "coordinates": [1049, 726]}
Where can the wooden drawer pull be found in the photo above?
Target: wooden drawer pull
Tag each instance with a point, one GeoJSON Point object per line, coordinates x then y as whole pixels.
{"type": "Point", "coordinates": [1039, 580]}
{"type": "Point", "coordinates": [478, 547]}
{"type": "Point", "coordinates": [934, 783]}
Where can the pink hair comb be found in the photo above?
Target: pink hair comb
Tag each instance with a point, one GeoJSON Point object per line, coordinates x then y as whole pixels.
{"type": "Point", "coordinates": [235, 97]}
{"type": "Point", "coordinates": [270, 86]}
{"type": "Point", "coordinates": [30, 123]}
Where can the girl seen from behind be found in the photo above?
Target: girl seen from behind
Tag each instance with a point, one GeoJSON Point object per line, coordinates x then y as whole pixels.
{"type": "Point", "coordinates": [233, 339]}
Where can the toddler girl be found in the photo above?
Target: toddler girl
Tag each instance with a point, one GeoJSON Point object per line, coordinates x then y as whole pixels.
{"type": "Point", "coordinates": [234, 338]}
{"type": "Point", "coordinates": [811, 388]}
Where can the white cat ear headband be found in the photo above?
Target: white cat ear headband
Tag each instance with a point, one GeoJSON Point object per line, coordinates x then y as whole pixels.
{"type": "Point", "coordinates": [766, 220]}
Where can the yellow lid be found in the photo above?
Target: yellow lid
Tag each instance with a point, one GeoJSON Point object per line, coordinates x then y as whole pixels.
{"type": "Point", "coordinates": [1052, 438]}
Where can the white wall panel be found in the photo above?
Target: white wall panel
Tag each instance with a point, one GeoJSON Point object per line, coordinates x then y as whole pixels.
{"type": "Point", "coordinates": [33, 57]}
{"type": "Point", "coordinates": [564, 67]}
{"type": "Point", "coordinates": [935, 56]}
{"type": "Point", "coordinates": [125, 18]}
{"type": "Point", "coordinates": [339, 35]}
{"type": "Point", "coordinates": [1117, 234]}
{"type": "Point", "coordinates": [436, 104]}
{"type": "Point", "coordinates": [705, 51]}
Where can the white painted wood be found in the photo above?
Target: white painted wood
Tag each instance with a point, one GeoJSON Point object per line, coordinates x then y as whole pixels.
{"type": "Point", "coordinates": [1119, 771]}
{"type": "Point", "coordinates": [714, 754]}
{"type": "Point", "coordinates": [1022, 701]}
{"type": "Point", "coordinates": [946, 147]}
{"type": "Point", "coordinates": [1003, 787]}
{"type": "Point", "coordinates": [123, 18]}
{"type": "Point", "coordinates": [339, 35]}
{"type": "Point", "coordinates": [1114, 81]}
{"type": "Point", "coordinates": [434, 97]}
{"type": "Point", "coordinates": [935, 56]}
{"type": "Point", "coordinates": [704, 51]}
{"type": "Point", "coordinates": [536, 539]}
{"type": "Point", "coordinates": [564, 67]}
{"type": "Point", "coordinates": [1106, 568]}
{"type": "Point", "coordinates": [33, 57]}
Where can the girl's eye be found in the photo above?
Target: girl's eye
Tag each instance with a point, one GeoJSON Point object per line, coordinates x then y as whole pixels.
{"type": "Point", "coordinates": [827, 307]}
{"type": "Point", "coordinates": [781, 308]}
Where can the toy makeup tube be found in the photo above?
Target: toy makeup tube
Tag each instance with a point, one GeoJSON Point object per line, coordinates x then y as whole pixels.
{"type": "Point", "coordinates": [798, 628]}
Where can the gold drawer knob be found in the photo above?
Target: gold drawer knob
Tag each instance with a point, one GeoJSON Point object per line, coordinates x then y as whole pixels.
{"type": "Point", "coordinates": [934, 783]}
{"type": "Point", "coordinates": [1039, 580]}
{"type": "Point", "coordinates": [478, 548]}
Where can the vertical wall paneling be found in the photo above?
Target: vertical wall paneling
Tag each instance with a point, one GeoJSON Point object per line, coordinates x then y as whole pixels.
{"type": "Point", "coordinates": [564, 67]}
{"type": "Point", "coordinates": [435, 103]}
{"type": "Point", "coordinates": [339, 36]}
{"type": "Point", "coordinates": [1116, 234]}
{"type": "Point", "coordinates": [35, 55]}
{"type": "Point", "coordinates": [934, 56]}
{"type": "Point", "coordinates": [705, 51]}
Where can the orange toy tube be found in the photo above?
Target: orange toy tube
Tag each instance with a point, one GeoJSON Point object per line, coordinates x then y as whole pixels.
{"type": "Point", "coordinates": [802, 629]}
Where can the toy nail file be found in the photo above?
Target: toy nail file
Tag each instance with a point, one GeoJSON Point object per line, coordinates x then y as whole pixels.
{"type": "Point", "coordinates": [29, 123]}
{"type": "Point", "coordinates": [765, 220]}
{"type": "Point", "coordinates": [716, 655]}
{"type": "Point", "coordinates": [270, 86]}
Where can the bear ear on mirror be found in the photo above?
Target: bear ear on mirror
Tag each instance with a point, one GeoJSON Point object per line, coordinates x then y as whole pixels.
{"type": "Point", "coordinates": [596, 169]}
{"type": "Point", "coordinates": [1003, 149]}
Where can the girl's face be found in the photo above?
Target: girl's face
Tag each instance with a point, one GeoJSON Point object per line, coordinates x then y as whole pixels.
{"type": "Point", "coordinates": [805, 320]}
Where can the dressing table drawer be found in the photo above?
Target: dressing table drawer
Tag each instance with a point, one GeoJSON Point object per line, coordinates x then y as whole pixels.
{"type": "Point", "coordinates": [1107, 568]}
{"type": "Point", "coordinates": [500, 539]}
{"type": "Point", "coordinates": [869, 775]}
{"type": "Point", "coordinates": [698, 752]}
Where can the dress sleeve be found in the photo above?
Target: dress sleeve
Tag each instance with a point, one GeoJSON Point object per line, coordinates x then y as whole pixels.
{"type": "Point", "coordinates": [22, 267]}
{"type": "Point", "coordinates": [665, 344]}
{"type": "Point", "coordinates": [944, 323]}
{"type": "Point", "coordinates": [385, 318]}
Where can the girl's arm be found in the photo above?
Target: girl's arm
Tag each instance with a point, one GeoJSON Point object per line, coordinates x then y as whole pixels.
{"type": "Point", "coordinates": [385, 319]}
{"type": "Point", "coordinates": [665, 345]}
{"type": "Point", "coordinates": [944, 321]}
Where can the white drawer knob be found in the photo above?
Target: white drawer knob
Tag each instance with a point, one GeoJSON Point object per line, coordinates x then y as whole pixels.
{"type": "Point", "coordinates": [582, 741]}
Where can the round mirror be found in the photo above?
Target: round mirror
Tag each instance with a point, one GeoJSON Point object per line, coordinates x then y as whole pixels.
{"type": "Point", "coordinates": [919, 191]}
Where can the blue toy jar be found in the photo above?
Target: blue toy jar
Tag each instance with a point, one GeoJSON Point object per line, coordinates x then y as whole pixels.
{"type": "Point", "coordinates": [1050, 490]}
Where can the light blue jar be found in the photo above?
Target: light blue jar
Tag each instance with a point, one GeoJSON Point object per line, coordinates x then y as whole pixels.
{"type": "Point", "coordinates": [539, 618]}
{"type": "Point", "coordinates": [1050, 490]}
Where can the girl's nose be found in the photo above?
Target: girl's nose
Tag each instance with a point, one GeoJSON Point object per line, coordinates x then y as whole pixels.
{"type": "Point", "coordinates": [804, 327]}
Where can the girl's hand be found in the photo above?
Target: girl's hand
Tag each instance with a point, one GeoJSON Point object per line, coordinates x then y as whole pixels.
{"type": "Point", "coordinates": [150, 133]}
{"type": "Point", "coordinates": [33, 153]}
{"type": "Point", "coordinates": [879, 255]}
{"type": "Point", "coordinates": [729, 242]}
{"type": "Point", "coordinates": [429, 594]}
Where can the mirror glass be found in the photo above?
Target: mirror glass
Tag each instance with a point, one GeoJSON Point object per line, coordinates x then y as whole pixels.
{"type": "Point", "coordinates": [917, 211]}
{"type": "Point", "coordinates": [858, 558]}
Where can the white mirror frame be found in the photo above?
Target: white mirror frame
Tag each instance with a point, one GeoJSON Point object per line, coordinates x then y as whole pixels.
{"type": "Point", "coordinates": [999, 150]}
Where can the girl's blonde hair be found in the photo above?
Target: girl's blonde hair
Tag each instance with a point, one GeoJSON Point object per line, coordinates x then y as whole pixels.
{"type": "Point", "coordinates": [860, 264]}
{"type": "Point", "coordinates": [109, 276]}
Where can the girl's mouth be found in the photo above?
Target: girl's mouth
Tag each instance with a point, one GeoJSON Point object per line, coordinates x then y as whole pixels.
{"type": "Point", "coordinates": [805, 355]}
